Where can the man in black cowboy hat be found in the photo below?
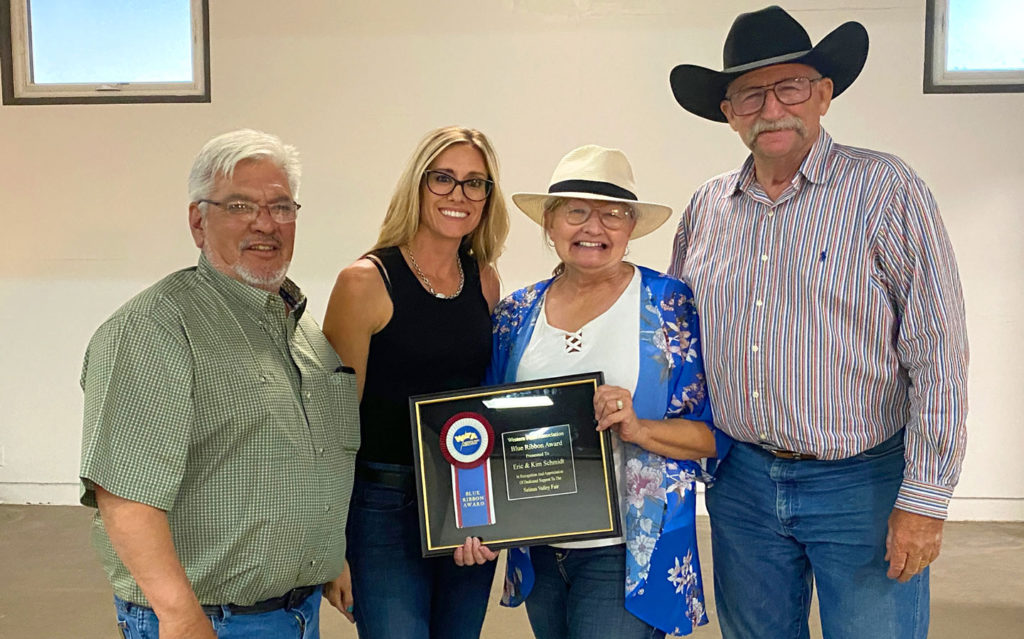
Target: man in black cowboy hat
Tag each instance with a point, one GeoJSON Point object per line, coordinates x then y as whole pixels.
{"type": "Point", "coordinates": [835, 345]}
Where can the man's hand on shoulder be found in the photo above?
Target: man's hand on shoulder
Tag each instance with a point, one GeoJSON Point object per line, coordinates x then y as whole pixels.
{"type": "Point", "coordinates": [913, 542]}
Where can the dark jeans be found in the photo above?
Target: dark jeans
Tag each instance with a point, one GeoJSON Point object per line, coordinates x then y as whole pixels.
{"type": "Point", "coordinates": [580, 594]}
{"type": "Point", "coordinates": [779, 525]}
{"type": "Point", "coordinates": [397, 592]}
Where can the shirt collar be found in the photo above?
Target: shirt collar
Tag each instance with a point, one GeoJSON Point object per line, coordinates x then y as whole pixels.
{"type": "Point", "coordinates": [742, 179]}
{"type": "Point", "coordinates": [254, 299]}
{"type": "Point", "coordinates": [816, 165]}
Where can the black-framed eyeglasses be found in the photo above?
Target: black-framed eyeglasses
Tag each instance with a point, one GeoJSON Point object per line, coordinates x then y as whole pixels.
{"type": "Point", "coordinates": [612, 217]}
{"type": "Point", "coordinates": [789, 92]}
{"type": "Point", "coordinates": [280, 212]}
{"type": "Point", "coordinates": [441, 183]}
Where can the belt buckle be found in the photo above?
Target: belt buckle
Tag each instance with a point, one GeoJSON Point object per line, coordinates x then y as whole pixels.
{"type": "Point", "coordinates": [295, 596]}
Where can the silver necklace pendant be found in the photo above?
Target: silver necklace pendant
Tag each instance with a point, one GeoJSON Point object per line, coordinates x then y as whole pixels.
{"type": "Point", "coordinates": [426, 280]}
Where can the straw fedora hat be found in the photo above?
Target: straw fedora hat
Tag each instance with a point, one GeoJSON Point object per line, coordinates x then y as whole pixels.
{"type": "Point", "coordinates": [765, 38]}
{"type": "Point", "coordinates": [594, 172]}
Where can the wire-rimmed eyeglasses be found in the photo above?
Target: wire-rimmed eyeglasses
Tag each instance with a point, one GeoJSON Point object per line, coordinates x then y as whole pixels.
{"type": "Point", "coordinates": [612, 216]}
{"type": "Point", "coordinates": [789, 92]}
{"type": "Point", "coordinates": [441, 183]}
{"type": "Point", "coordinates": [280, 212]}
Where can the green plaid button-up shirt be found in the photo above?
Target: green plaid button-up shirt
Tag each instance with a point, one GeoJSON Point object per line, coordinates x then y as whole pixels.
{"type": "Point", "coordinates": [206, 398]}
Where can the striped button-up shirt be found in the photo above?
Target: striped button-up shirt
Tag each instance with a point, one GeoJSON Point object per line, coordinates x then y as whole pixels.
{"type": "Point", "coordinates": [210, 400]}
{"type": "Point", "coordinates": [833, 316]}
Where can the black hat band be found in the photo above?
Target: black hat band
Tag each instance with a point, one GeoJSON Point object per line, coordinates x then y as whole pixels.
{"type": "Point", "coordinates": [606, 189]}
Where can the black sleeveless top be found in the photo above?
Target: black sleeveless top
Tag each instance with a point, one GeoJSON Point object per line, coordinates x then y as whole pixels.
{"type": "Point", "coordinates": [430, 345]}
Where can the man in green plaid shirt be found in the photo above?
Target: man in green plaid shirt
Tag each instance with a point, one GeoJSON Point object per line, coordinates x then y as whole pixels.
{"type": "Point", "coordinates": [220, 427]}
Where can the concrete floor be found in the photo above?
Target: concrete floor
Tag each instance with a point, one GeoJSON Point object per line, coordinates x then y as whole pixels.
{"type": "Point", "coordinates": [46, 559]}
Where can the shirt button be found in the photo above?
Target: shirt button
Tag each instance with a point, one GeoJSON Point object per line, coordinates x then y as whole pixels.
{"type": "Point", "coordinates": [312, 563]}
{"type": "Point", "coordinates": [308, 394]}
{"type": "Point", "coordinates": [759, 303]}
{"type": "Point", "coordinates": [327, 508]}
{"type": "Point", "coordinates": [771, 212]}
{"type": "Point", "coordinates": [263, 379]}
{"type": "Point", "coordinates": [754, 348]}
{"type": "Point", "coordinates": [764, 258]}
{"type": "Point", "coordinates": [319, 451]}
{"type": "Point", "coordinates": [764, 435]}
{"type": "Point", "coordinates": [755, 394]}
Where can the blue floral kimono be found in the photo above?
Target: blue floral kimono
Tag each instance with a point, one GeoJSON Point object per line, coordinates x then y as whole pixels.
{"type": "Point", "coordinates": [662, 572]}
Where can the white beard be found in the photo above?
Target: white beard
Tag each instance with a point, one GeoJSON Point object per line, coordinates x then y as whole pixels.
{"type": "Point", "coordinates": [267, 282]}
{"type": "Point", "coordinates": [275, 279]}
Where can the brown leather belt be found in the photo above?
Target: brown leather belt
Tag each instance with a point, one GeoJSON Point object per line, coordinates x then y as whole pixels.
{"type": "Point", "coordinates": [788, 454]}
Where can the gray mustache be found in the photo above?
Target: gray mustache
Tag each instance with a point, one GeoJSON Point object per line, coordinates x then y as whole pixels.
{"type": "Point", "coordinates": [787, 123]}
{"type": "Point", "coordinates": [268, 239]}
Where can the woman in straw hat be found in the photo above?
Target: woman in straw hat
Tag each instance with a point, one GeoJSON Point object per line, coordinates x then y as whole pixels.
{"type": "Point", "coordinates": [430, 273]}
{"type": "Point", "coordinates": [640, 328]}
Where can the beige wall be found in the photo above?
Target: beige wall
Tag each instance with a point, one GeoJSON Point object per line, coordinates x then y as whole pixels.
{"type": "Point", "coordinates": [93, 198]}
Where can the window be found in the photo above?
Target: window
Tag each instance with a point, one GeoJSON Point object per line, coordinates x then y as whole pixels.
{"type": "Point", "coordinates": [104, 51]}
{"type": "Point", "coordinates": [974, 46]}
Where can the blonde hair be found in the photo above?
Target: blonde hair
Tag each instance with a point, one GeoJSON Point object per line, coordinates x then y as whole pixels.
{"type": "Point", "coordinates": [487, 240]}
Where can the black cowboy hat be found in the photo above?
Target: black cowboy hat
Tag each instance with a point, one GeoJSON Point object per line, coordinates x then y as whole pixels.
{"type": "Point", "coordinates": [764, 38]}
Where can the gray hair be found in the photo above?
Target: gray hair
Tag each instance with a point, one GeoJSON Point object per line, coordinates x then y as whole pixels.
{"type": "Point", "coordinates": [550, 204]}
{"type": "Point", "coordinates": [222, 154]}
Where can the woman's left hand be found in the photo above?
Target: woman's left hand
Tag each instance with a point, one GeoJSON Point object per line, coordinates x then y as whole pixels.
{"type": "Point", "coordinates": [339, 593]}
{"type": "Point", "coordinates": [473, 553]}
{"type": "Point", "coordinates": [613, 408]}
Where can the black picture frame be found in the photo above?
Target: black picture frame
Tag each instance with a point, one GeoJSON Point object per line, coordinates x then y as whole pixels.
{"type": "Point", "coordinates": [549, 476]}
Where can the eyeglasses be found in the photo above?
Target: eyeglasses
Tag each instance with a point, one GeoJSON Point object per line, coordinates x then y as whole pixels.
{"type": "Point", "coordinates": [611, 217]}
{"type": "Point", "coordinates": [789, 92]}
{"type": "Point", "coordinates": [441, 183]}
{"type": "Point", "coordinates": [280, 212]}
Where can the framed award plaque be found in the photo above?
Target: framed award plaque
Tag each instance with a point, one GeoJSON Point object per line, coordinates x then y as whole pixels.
{"type": "Point", "coordinates": [515, 465]}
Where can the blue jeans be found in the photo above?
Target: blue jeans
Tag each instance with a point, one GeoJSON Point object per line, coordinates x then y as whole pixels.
{"type": "Point", "coordinates": [397, 592]}
{"type": "Point", "coordinates": [300, 622]}
{"type": "Point", "coordinates": [778, 525]}
{"type": "Point", "coordinates": [580, 594]}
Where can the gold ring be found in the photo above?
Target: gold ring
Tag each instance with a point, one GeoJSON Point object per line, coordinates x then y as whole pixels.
{"type": "Point", "coordinates": [618, 404]}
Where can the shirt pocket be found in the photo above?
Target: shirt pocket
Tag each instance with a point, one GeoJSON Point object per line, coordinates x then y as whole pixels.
{"type": "Point", "coordinates": [343, 408]}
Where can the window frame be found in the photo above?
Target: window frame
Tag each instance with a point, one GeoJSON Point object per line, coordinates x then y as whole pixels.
{"type": "Point", "coordinates": [18, 89]}
{"type": "Point", "coordinates": [938, 80]}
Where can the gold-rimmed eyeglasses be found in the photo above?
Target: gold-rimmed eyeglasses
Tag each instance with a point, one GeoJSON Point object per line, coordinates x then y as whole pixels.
{"type": "Point", "coordinates": [612, 217]}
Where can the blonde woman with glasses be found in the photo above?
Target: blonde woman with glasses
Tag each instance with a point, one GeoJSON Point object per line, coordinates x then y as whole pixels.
{"type": "Point", "coordinates": [412, 316]}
